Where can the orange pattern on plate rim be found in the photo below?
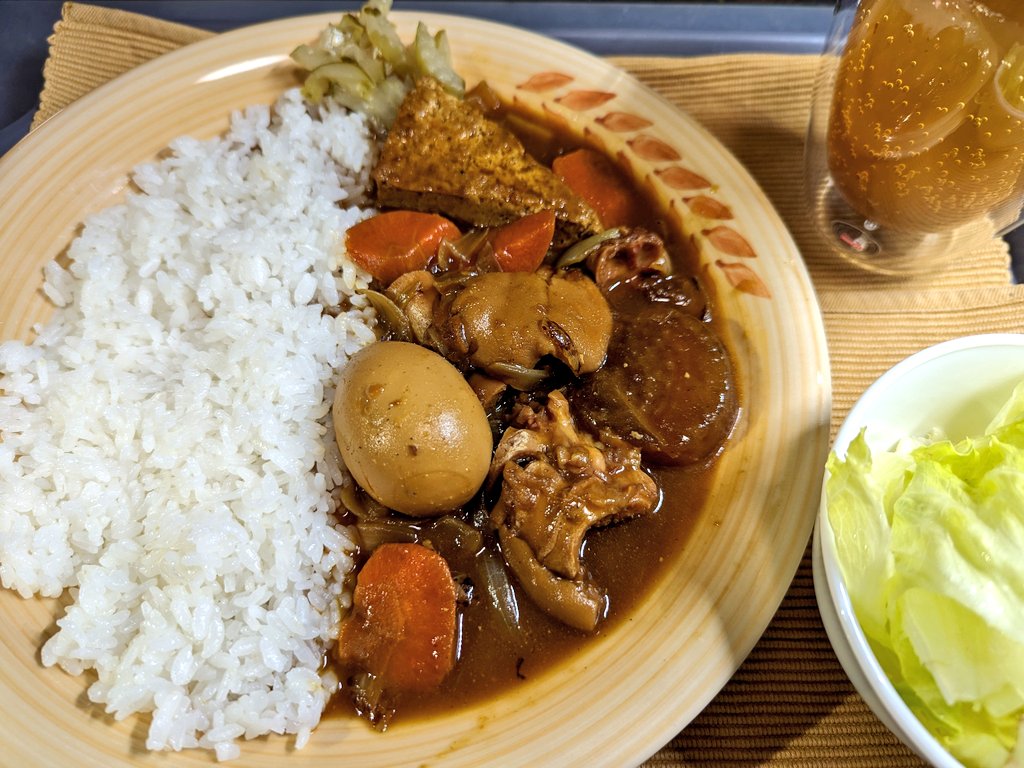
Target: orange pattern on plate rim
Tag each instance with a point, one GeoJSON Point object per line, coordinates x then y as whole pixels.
{"type": "Point", "coordinates": [743, 278]}
{"type": "Point", "coordinates": [545, 81]}
{"type": "Point", "coordinates": [708, 207]}
{"type": "Point", "coordinates": [683, 179]}
{"type": "Point", "coordinates": [584, 100]}
{"type": "Point", "coordinates": [623, 122]}
{"type": "Point", "coordinates": [654, 150]}
{"type": "Point", "coordinates": [728, 240]}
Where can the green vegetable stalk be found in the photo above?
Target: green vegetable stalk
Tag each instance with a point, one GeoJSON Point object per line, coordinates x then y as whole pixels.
{"type": "Point", "coordinates": [930, 538]}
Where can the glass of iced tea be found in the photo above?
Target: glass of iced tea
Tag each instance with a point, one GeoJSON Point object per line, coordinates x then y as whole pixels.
{"type": "Point", "coordinates": [916, 142]}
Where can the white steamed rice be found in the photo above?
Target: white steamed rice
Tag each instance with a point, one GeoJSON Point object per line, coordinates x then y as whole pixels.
{"type": "Point", "coordinates": [165, 445]}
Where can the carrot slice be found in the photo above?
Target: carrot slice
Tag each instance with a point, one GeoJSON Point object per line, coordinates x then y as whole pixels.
{"type": "Point", "coordinates": [390, 244]}
{"type": "Point", "coordinates": [403, 623]}
{"type": "Point", "coordinates": [595, 178]}
{"type": "Point", "coordinates": [521, 245]}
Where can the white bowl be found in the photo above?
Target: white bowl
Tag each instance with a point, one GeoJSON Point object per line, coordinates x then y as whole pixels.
{"type": "Point", "coordinates": [958, 386]}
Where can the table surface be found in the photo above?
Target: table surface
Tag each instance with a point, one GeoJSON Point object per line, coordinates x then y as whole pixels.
{"type": "Point", "coordinates": [603, 28]}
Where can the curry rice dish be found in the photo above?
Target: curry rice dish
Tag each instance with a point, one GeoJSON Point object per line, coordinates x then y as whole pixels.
{"type": "Point", "coordinates": [254, 432]}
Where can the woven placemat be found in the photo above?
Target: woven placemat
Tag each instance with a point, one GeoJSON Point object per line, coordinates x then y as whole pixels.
{"type": "Point", "coordinates": [790, 703]}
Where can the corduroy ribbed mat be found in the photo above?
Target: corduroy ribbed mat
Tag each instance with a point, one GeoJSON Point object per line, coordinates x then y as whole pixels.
{"type": "Point", "coordinates": [790, 704]}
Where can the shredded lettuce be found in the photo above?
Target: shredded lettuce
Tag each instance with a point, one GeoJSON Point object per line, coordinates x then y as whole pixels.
{"type": "Point", "coordinates": [930, 541]}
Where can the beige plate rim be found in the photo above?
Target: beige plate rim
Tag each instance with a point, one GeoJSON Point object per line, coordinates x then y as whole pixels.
{"type": "Point", "coordinates": [632, 689]}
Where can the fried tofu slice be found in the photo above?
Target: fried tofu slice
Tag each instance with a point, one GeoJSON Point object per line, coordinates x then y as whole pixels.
{"type": "Point", "coordinates": [443, 155]}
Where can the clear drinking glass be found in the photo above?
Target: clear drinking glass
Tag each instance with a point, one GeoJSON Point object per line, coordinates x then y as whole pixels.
{"type": "Point", "coordinates": [915, 149]}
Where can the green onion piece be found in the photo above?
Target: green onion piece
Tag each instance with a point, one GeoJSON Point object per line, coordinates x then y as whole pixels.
{"type": "Point", "coordinates": [363, 58]}
{"type": "Point", "coordinates": [310, 58]}
{"type": "Point", "coordinates": [381, 108]}
{"type": "Point", "coordinates": [431, 60]}
{"type": "Point", "coordinates": [343, 76]}
{"type": "Point", "coordinates": [384, 38]}
{"type": "Point", "coordinates": [579, 252]}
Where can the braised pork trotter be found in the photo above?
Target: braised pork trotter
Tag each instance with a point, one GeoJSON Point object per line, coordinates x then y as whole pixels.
{"type": "Point", "coordinates": [557, 484]}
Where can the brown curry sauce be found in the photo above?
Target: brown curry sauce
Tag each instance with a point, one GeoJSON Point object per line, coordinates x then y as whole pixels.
{"type": "Point", "coordinates": [627, 559]}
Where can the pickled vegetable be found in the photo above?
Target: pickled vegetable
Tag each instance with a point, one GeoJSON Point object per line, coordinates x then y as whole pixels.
{"type": "Point", "coordinates": [362, 63]}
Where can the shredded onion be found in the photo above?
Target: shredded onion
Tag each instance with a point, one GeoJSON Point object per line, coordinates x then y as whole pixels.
{"type": "Point", "coordinates": [498, 588]}
{"type": "Point", "coordinates": [394, 319]}
{"type": "Point", "coordinates": [457, 541]}
{"type": "Point", "coordinates": [455, 255]}
{"type": "Point", "coordinates": [518, 376]}
{"type": "Point", "coordinates": [579, 252]}
{"type": "Point", "coordinates": [373, 533]}
{"type": "Point", "coordinates": [360, 504]}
